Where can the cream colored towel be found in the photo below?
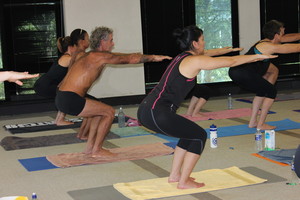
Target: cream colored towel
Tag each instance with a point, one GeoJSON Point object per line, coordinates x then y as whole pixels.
{"type": "Point", "coordinates": [214, 179]}
{"type": "Point", "coordinates": [125, 153]}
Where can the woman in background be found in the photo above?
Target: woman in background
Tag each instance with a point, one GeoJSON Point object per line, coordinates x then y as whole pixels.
{"type": "Point", "coordinates": [260, 77]}
{"type": "Point", "coordinates": [46, 85]}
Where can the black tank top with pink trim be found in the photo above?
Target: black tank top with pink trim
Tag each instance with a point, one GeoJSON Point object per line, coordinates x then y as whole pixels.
{"type": "Point", "coordinates": [172, 87]}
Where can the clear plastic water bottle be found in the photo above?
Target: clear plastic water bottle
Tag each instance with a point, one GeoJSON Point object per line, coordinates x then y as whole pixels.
{"type": "Point", "coordinates": [258, 141]}
{"type": "Point", "coordinates": [294, 178]}
{"type": "Point", "coordinates": [33, 196]}
{"type": "Point", "coordinates": [213, 136]}
{"type": "Point", "coordinates": [229, 101]}
{"type": "Point", "coordinates": [121, 118]}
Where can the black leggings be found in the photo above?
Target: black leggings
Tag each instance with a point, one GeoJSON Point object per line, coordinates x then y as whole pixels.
{"type": "Point", "coordinates": [254, 82]}
{"type": "Point", "coordinates": [163, 120]}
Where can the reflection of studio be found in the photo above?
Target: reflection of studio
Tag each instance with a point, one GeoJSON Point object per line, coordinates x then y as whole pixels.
{"type": "Point", "coordinates": [149, 99]}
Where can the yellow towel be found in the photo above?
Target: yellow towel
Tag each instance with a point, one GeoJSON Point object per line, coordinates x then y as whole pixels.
{"type": "Point", "coordinates": [214, 179]}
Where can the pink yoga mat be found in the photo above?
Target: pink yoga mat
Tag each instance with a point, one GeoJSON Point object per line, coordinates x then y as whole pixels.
{"type": "Point", "coordinates": [223, 114]}
{"type": "Point", "coordinates": [123, 154]}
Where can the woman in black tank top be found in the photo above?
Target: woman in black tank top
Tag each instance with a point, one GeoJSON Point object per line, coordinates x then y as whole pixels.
{"type": "Point", "coordinates": [46, 86]}
{"type": "Point", "coordinates": [260, 77]}
{"type": "Point", "coordinates": [158, 110]}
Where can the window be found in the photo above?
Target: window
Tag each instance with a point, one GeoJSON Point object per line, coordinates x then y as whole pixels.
{"type": "Point", "coordinates": [215, 18]}
{"type": "Point", "coordinates": [30, 30]}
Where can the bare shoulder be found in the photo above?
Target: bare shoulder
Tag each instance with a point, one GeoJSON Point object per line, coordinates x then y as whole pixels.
{"type": "Point", "coordinates": [64, 60]}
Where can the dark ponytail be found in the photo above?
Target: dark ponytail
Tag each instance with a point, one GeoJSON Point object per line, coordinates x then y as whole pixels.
{"type": "Point", "coordinates": [186, 36]}
{"type": "Point", "coordinates": [63, 43]}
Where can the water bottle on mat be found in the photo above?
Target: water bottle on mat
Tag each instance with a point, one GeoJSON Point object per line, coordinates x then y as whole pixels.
{"type": "Point", "coordinates": [258, 141]}
{"type": "Point", "coordinates": [213, 136]}
{"type": "Point", "coordinates": [229, 102]}
{"type": "Point", "coordinates": [121, 118]}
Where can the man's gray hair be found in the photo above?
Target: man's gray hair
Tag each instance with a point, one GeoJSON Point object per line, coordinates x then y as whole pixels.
{"type": "Point", "coordinates": [98, 34]}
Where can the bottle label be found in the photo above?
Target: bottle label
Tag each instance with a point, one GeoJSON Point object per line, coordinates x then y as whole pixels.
{"type": "Point", "coordinates": [258, 137]}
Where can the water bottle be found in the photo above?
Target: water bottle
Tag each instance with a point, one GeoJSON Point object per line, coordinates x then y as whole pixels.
{"type": "Point", "coordinates": [229, 101]}
{"type": "Point", "coordinates": [121, 118]}
{"type": "Point", "coordinates": [294, 178]}
{"type": "Point", "coordinates": [33, 196]}
{"type": "Point", "coordinates": [258, 141]}
{"type": "Point", "coordinates": [213, 136]}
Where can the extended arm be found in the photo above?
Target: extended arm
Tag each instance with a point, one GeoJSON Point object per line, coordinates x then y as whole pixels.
{"type": "Point", "coordinates": [191, 65]}
{"type": "Point", "coordinates": [290, 37]}
{"type": "Point", "coordinates": [12, 76]}
{"type": "Point", "coordinates": [221, 51]}
{"type": "Point", "coordinates": [133, 58]}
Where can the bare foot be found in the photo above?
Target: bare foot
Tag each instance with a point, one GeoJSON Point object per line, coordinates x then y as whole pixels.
{"type": "Point", "coordinates": [173, 180]}
{"type": "Point", "coordinates": [190, 184]}
{"type": "Point", "coordinates": [103, 153]}
{"type": "Point", "coordinates": [81, 136]}
{"type": "Point", "coordinates": [63, 123]}
{"type": "Point", "coordinates": [252, 124]}
{"type": "Point", "coordinates": [198, 115]}
{"type": "Point", "coordinates": [266, 127]}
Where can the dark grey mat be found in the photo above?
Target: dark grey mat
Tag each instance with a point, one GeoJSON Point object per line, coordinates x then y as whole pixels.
{"type": "Point", "coordinates": [13, 143]}
{"type": "Point", "coordinates": [109, 193]}
{"type": "Point", "coordinates": [45, 126]}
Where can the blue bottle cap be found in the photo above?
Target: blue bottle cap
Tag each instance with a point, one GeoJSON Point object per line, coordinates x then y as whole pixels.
{"type": "Point", "coordinates": [213, 126]}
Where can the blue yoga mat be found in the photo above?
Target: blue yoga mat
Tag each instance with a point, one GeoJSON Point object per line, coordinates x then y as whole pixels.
{"type": "Point", "coordinates": [36, 164]}
{"type": "Point", "coordinates": [285, 124]}
{"type": "Point", "coordinates": [282, 155]}
{"type": "Point", "coordinates": [41, 163]}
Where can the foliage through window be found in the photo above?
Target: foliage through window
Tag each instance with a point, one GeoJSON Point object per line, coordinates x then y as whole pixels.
{"type": "Point", "coordinates": [30, 30]}
{"type": "Point", "coordinates": [215, 19]}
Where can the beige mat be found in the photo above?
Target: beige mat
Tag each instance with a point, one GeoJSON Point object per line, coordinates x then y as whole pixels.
{"type": "Point", "coordinates": [125, 153]}
{"type": "Point", "coordinates": [214, 179]}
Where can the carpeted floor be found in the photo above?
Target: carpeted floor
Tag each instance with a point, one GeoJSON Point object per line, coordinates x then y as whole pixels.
{"type": "Point", "coordinates": [95, 182]}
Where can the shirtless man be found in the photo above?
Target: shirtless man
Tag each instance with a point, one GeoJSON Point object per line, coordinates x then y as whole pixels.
{"type": "Point", "coordinates": [82, 74]}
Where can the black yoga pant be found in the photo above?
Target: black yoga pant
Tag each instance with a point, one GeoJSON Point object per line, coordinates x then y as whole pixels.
{"type": "Point", "coordinates": [254, 82]}
{"type": "Point", "coordinates": [199, 91]}
{"type": "Point", "coordinates": [163, 120]}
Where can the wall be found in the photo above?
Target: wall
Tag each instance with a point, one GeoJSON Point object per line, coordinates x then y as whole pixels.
{"type": "Point", "coordinates": [124, 17]}
{"type": "Point", "coordinates": [249, 23]}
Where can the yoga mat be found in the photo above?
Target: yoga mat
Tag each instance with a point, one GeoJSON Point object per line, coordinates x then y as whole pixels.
{"type": "Point", "coordinates": [296, 110]}
{"type": "Point", "coordinates": [214, 179]}
{"type": "Point", "coordinates": [14, 143]}
{"type": "Point", "coordinates": [36, 164]}
{"type": "Point", "coordinates": [109, 193]}
{"type": "Point", "coordinates": [130, 131]}
{"type": "Point", "coordinates": [150, 150]}
{"type": "Point", "coordinates": [285, 124]}
{"type": "Point", "coordinates": [280, 97]}
{"type": "Point", "coordinates": [46, 126]}
{"type": "Point", "coordinates": [123, 154]}
{"type": "Point", "coordinates": [282, 157]}
{"type": "Point", "coordinates": [223, 114]}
